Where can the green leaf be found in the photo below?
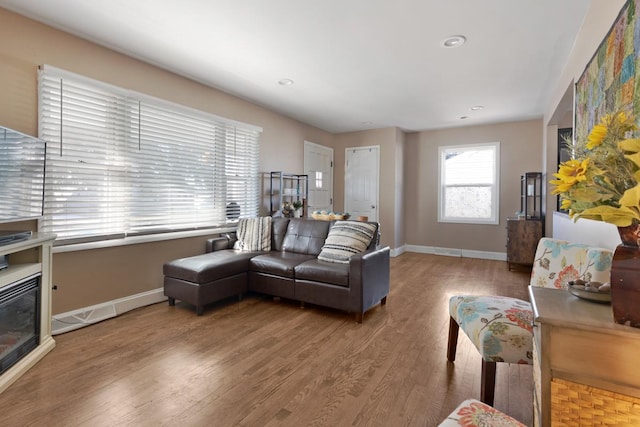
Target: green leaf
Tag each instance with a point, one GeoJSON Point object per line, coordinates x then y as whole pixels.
{"type": "Point", "coordinates": [635, 158]}
{"type": "Point", "coordinates": [588, 195]}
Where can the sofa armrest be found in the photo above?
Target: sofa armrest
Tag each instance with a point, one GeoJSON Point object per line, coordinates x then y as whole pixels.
{"type": "Point", "coordinates": [369, 278]}
{"type": "Point", "coordinates": [217, 243]}
{"type": "Point", "coordinates": [225, 241]}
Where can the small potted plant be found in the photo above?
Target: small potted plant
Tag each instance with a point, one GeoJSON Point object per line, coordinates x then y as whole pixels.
{"type": "Point", "coordinates": [297, 208]}
{"type": "Point", "coordinates": [287, 210]}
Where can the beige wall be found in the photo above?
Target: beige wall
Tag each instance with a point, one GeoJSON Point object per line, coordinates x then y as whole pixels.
{"type": "Point", "coordinates": [399, 184]}
{"type": "Point", "coordinates": [89, 277]}
{"type": "Point", "coordinates": [92, 277]}
{"type": "Point", "coordinates": [520, 152]}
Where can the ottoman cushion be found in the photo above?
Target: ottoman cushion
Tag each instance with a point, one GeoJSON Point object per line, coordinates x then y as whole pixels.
{"type": "Point", "coordinates": [209, 267]}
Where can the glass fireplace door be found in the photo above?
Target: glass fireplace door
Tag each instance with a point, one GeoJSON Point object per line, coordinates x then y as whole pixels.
{"type": "Point", "coordinates": [19, 320]}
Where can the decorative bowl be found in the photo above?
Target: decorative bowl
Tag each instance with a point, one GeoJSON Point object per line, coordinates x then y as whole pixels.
{"type": "Point", "coordinates": [601, 297]}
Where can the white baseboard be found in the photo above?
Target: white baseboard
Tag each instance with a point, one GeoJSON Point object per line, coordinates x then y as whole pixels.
{"type": "Point", "coordinates": [461, 253]}
{"type": "Point", "coordinates": [496, 256]}
{"type": "Point", "coordinates": [71, 320]}
{"type": "Point", "coordinates": [398, 251]}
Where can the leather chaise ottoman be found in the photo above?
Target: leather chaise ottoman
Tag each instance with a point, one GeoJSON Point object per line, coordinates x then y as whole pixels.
{"type": "Point", "coordinates": [202, 279]}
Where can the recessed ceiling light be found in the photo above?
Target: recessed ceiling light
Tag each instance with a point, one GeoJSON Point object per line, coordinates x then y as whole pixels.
{"type": "Point", "coordinates": [477, 107]}
{"type": "Point", "coordinates": [453, 41]}
{"type": "Point", "coordinates": [285, 82]}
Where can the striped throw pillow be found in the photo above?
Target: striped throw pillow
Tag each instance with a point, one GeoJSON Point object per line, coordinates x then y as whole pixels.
{"type": "Point", "coordinates": [254, 234]}
{"type": "Point", "coordinates": [346, 238]}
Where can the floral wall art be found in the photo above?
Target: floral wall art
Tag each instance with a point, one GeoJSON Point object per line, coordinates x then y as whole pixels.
{"type": "Point", "coordinates": [611, 80]}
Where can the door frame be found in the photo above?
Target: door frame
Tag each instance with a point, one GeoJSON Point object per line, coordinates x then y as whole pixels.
{"type": "Point", "coordinates": [308, 144]}
{"type": "Point", "coordinates": [377, 177]}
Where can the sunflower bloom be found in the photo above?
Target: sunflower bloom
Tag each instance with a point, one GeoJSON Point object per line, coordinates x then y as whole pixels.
{"type": "Point", "coordinates": [625, 122]}
{"type": "Point", "coordinates": [597, 135]}
{"type": "Point", "coordinates": [602, 183]}
{"type": "Point", "coordinates": [569, 174]}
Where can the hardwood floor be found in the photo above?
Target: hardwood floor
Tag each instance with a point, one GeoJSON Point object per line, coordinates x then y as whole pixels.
{"type": "Point", "coordinates": [260, 362]}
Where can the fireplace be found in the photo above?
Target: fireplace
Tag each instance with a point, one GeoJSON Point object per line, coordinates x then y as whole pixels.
{"type": "Point", "coordinates": [19, 320]}
{"type": "Point", "coordinates": [25, 306]}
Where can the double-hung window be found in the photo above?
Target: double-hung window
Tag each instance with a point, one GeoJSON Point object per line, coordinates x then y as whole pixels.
{"type": "Point", "coordinates": [468, 183]}
{"type": "Point", "coordinates": [120, 163]}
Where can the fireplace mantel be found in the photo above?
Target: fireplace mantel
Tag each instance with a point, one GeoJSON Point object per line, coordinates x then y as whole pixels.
{"type": "Point", "coordinates": [26, 258]}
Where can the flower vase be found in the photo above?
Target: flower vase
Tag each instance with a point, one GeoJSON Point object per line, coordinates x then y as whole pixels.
{"type": "Point", "coordinates": [297, 213]}
{"type": "Point", "coordinates": [625, 277]}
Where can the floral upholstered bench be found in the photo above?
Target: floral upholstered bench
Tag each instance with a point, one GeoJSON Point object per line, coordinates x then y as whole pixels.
{"type": "Point", "coordinates": [473, 413]}
{"type": "Point", "coordinates": [500, 326]}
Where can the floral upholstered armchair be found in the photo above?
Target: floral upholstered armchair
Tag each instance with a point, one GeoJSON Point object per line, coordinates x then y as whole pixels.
{"type": "Point", "coordinates": [500, 327]}
{"type": "Point", "coordinates": [472, 413]}
{"type": "Point", "coordinates": [557, 262]}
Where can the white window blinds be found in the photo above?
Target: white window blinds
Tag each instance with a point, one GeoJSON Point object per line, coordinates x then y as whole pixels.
{"type": "Point", "coordinates": [122, 163]}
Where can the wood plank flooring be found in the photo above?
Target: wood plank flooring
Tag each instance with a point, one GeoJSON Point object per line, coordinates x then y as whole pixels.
{"type": "Point", "coordinates": [260, 362]}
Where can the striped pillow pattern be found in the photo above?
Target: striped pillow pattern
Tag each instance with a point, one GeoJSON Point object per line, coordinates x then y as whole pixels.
{"type": "Point", "coordinates": [346, 238]}
{"type": "Point", "coordinates": [254, 234]}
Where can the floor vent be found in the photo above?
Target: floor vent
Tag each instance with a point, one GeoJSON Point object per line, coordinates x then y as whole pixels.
{"type": "Point", "coordinates": [80, 318]}
{"type": "Point", "coordinates": [76, 319]}
{"type": "Point", "coordinates": [447, 252]}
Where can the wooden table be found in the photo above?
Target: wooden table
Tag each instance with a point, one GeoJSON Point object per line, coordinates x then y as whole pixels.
{"type": "Point", "coordinates": [586, 367]}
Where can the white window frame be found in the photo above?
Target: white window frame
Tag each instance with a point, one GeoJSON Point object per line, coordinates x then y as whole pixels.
{"type": "Point", "coordinates": [138, 188]}
{"type": "Point", "coordinates": [494, 217]}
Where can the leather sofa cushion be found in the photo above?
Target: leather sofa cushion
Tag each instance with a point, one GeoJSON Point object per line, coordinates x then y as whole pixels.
{"type": "Point", "coordinates": [278, 230]}
{"type": "Point", "coordinates": [210, 266]}
{"type": "Point", "coordinates": [305, 236]}
{"type": "Point", "coordinates": [278, 263]}
{"type": "Point", "coordinates": [321, 271]}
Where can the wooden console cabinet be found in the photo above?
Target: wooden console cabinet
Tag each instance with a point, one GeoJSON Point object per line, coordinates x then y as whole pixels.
{"type": "Point", "coordinates": [27, 258]}
{"type": "Point", "coordinates": [586, 369]}
{"type": "Point", "coordinates": [522, 240]}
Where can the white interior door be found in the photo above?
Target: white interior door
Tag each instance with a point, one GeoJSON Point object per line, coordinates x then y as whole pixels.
{"type": "Point", "coordinates": [361, 182]}
{"type": "Point", "coordinates": [318, 165]}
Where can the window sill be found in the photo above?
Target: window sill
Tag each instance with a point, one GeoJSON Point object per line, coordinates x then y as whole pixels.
{"type": "Point", "coordinates": [468, 221]}
{"type": "Point", "coordinates": [135, 240]}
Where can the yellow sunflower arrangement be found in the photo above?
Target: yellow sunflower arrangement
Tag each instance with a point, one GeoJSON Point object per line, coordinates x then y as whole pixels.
{"type": "Point", "coordinates": [602, 182]}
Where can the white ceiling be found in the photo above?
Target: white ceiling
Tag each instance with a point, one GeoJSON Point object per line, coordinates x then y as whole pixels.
{"type": "Point", "coordinates": [356, 64]}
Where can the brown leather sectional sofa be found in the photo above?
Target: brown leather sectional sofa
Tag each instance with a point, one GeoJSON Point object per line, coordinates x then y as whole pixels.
{"type": "Point", "coordinates": [290, 270]}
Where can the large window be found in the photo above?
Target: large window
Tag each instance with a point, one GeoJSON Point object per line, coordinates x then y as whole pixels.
{"type": "Point", "coordinates": [121, 163]}
{"type": "Point", "coordinates": [468, 183]}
